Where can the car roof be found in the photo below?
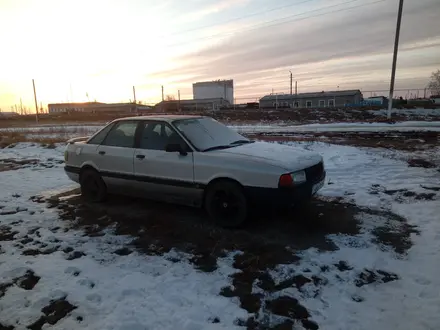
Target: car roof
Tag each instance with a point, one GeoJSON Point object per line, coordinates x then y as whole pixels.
{"type": "Point", "coordinates": [167, 118]}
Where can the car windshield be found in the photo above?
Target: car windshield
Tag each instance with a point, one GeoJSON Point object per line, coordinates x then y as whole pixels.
{"type": "Point", "coordinates": [207, 134]}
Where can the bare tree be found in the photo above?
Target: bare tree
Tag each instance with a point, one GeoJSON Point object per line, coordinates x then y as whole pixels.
{"type": "Point", "coordinates": [170, 98]}
{"type": "Point", "coordinates": [434, 84]}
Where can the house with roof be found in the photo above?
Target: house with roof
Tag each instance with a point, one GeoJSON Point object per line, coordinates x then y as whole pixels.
{"type": "Point", "coordinates": [312, 100]}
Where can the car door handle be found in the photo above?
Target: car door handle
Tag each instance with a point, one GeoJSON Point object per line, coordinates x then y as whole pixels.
{"type": "Point", "coordinates": [101, 152]}
{"type": "Point", "coordinates": [140, 156]}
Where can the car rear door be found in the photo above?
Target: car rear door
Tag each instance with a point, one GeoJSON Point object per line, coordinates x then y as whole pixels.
{"type": "Point", "coordinates": [114, 156]}
{"type": "Point", "coordinates": [164, 175]}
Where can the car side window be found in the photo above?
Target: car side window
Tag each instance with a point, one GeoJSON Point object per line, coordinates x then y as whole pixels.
{"type": "Point", "coordinates": [122, 135]}
{"type": "Point", "coordinates": [157, 135]}
{"type": "Point", "coordinates": [99, 138]}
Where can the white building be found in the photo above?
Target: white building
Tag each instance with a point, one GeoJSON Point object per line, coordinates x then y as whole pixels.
{"type": "Point", "coordinates": [214, 90]}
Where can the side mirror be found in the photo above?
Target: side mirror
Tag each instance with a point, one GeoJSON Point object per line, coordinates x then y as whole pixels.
{"type": "Point", "coordinates": [175, 147]}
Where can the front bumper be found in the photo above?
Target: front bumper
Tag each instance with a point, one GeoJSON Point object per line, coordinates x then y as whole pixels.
{"type": "Point", "coordinates": [285, 197]}
{"type": "Point", "coordinates": [72, 173]}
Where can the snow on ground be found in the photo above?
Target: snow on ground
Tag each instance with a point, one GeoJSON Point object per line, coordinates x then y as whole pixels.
{"type": "Point", "coordinates": [409, 303]}
{"type": "Point", "coordinates": [407, 112]}
{"type": "Point", "coordinates": [343, 127]}
{"type": "Point", "coordinates": [33, 150]}
{"type": "Point", "coordinates": [151, 292]}
{"type": "Point", "coordinates": [130, 292]}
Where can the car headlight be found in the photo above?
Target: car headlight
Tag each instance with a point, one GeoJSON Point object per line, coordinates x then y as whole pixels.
{"type": "Point", "coordinates": [299, 177]}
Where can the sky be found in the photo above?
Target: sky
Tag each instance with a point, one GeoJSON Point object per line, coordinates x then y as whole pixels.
{"type": "Point", "coordinates": [99, 49]}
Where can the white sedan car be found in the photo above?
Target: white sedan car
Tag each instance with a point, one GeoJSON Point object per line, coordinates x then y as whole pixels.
{"type": "Point", "coordinates": [192, 160]}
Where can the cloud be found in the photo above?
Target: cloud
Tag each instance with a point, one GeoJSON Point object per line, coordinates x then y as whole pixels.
{"type": "Point", "coordinates": [215, 6]}
{"type": "Point", "coordinates": [319, 46]}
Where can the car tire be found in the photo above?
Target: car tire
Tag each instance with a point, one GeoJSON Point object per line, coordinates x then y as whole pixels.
{"type": "Point", "coordinates": [226, 204]}
{"type": "Point", "coordinates": [93, 188]}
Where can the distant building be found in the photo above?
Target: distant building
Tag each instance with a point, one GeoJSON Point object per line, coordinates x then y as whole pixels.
{"type": "Point", "coordinates": [96, 107]}
{"type": "Point", "coordinates": [8, 114]}
{"type": "Point", "coordinates": [191, 105]}
{"type": "Point", "coordinates": [312, 100]}
{"type": "Point", "coordinates": [420, 102]}
{"type": "Point", "coordinates": [217, 89]}
{"type": "Point", "coordinates": [377, 100]}
{"type": "Point", "coordinates": [435, 99]}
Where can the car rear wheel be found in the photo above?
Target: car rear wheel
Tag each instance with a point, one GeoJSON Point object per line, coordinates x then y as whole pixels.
{"type": "Point", "coordinates": [93, 188]}
{"type": "Point", "coordinates": [226, 204]}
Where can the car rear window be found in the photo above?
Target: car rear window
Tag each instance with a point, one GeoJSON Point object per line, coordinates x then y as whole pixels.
{"type": "Point", "coordinates": [100, 136]}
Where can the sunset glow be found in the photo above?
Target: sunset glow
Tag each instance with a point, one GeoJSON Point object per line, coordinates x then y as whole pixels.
{"type": "Point", "coordinates": [102, 48]}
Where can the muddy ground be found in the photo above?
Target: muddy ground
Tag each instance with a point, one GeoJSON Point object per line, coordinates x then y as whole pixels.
{"type": "Point", "coordinates": [269, 240]}
{"type": "Point", "coordinates": [292, 116]}
{"type": "Point", "coordinates": [309, 116]}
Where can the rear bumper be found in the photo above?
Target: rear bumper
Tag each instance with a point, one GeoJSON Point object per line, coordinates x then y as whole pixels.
{"type": "Point", "coordinates": [282, 197]}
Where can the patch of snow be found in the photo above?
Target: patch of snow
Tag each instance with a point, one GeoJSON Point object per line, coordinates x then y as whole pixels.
{"type": "Point", "coordinates": [408, 112]}
{"type": "Point", "coordinates": [408, 126]}
{"type": "Point", "coordinates": [111, 292]}
{"type": "Point", "coordinates": [408, 303]}
{"type": "Point", "coordinates": [139, 291]}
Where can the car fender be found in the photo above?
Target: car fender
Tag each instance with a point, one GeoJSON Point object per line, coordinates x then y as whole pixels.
{"type": "Point", "coordinates": [245, 170]}
{"type": "Point", "coordinates": [89, 164]}
{"type": "Point", "coordinates": [224, 175]}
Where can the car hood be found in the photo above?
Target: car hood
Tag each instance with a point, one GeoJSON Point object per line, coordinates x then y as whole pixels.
{"type": "Point", "coordinates": [287, 157]}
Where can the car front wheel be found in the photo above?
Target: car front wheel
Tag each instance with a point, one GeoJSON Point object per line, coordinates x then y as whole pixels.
{"type": "Point", "coordinates": [93, 188]}
{"type": "Point", "coordinates": [226, 204]}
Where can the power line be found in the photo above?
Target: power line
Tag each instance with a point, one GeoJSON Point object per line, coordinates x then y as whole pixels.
{"type": "Point", "coordinates": [238, 18]}
{"type": "Point", "coordinates": [277, 21]}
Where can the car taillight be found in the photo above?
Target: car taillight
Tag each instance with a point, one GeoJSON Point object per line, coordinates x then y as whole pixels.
{"type": "Point", "coordinates": [285, 181]}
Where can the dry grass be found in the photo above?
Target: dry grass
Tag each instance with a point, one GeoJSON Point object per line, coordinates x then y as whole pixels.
{"type": "Point", "coordinates": [59, 130]}
{"type": "Point", "coordinates": [45, 135]}
{"type": "Point", "coordinates": [54, 119]}
{"type": "Point", "coordinates": [10, 138]}
{"type": "Point", "coordinates": [231, 115]}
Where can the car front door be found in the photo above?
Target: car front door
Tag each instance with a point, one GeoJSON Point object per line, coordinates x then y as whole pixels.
{"type": "Point", "coordinates": [114, 156]}
{"type": "Point", "coordinates": [165, 175]}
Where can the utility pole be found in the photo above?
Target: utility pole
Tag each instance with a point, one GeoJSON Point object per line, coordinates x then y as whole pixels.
{"type": "Point", "coordinates": [178, 96]}
{"type": "Point", "coordinates": [36, 103]}
{"type": "Point", "coordinates": [21, 106]}
{"type": "Point", "coordinates": [396, 48]}
{"type": "Point", "coordinates": [296, 93]}
{"type": "Point", "coordinates": [162, 92]}
{"type": "Point", "coordinates": [134, 94]}
{"type": "Point", "coordinates": [291, 82]}
{"type": "Point", "coordinates": [134, 99]}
